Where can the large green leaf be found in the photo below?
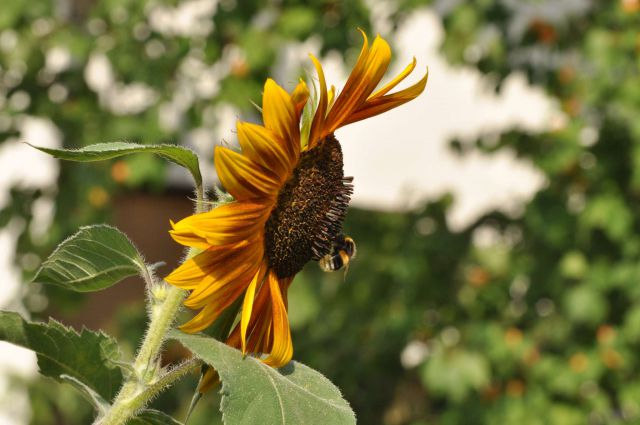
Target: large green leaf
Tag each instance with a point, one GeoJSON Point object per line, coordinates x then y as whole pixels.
{"type": "Point", "coordinates": [253, 393]}
{"type": "Point", "coordinates": [93, 259]}
{"type": "Point", "coordinates": [153, 417]}
{"type": "Point", "coordinates": [101, 151]}
{"type": "Point", "coordinates": [89, 357]}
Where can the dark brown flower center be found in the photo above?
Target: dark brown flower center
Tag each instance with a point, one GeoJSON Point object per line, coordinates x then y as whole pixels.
{"type": "Point", "coordinates": [311, 207]}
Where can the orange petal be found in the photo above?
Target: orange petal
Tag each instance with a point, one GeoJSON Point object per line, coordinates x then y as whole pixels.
{"type": "Point", "coordinates": [247, 305]}
{"type": "Point", "coordinates": [391, 84]}
{"type": "Point", "coordinates": [209, 380]}
{"type": "Point", "coordinates": [317, 127]}
{"type": "Point", "coordinates": [382, 104]}
{"type": "Point", "coordinates": [211, 311]}
{"type": "Point", "coordinates": [260, 320]}
{"type": "Point", "coordinates": [279, 115]}
{"type": "Point", "coordinates": [191, 273]}
{"type": "Point", "coordinates": [243, 178]}
{"type": "Point", "coordinates": [282, 346]}
{"type": "Point", "coordinates": [261, 146]}
{"type": "Point", "coordinates": [366, 74]}
{"type": "Point", "coordinates": [236, 268]}
{"type": "Point", "coordinates": [228, 223]}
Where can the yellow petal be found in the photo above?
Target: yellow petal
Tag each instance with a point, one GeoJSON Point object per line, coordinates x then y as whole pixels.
{"type": "Point", "coordinates": [261, 146]}
{"type": "Point", "coordinates": [282, 346]}
{"type": "Point", "coordinates": [382, 104]}
{"type": "Point", "coordinates": [299, 97]}
{"type": "Point", "coordinates": [279, 115]}
{"type": "Point", "coordinates": [211, 266]}
{"type": "Point", "coordinates": [226, 224]}
{"type": "Point", "coordinates": [332, 95]}
{"type": "Point", "coordinates": [188, 238]}
{"type": "Point", "coordinates": [191, 273]}
{"type": "Point", "coordinates": [212, 310]}
{"type": "Point", "coordinates": [243, 178]}
{"type": "Point", "coordinates": [204, 318]}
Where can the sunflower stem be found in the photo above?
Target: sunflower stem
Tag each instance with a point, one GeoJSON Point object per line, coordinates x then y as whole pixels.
{"type": "Point", "coordinates": [200, 199]}
{"type": "Point", "coordinates": [136, 401]}
{"type": "Point", "coordinates": [145, 382]}
{"type": "Point", "coordinates": [142, 385]}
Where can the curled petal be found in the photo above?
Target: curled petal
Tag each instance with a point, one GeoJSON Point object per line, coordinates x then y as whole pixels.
{"type": "Point", "coordinates": [382, 104]}
{"type": "Point", "coordinates": [188, 238]}
{"type": "Point", "coordinates": [398, 78]}
{"type": "Point", "coordinates": [282, 346]}
{"type": "Point", "coordinates": [367, 73]}
{"type": "Point", "coordinates": [247, 305]}
{"type": "Point", "coordinates": [358, 100]}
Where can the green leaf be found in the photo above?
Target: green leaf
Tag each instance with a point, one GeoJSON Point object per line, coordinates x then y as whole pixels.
{"type": "Point", "coordinates": [153, 417]}
{"type": "Point", "coordinates": [100, 404]}
{"type": "Point", "coordinates": [101, 151]}
{"type": "Point", "coordinates": [95, 258]}
{"type": "Point", "coordinates": [254, 393]}
{"type": "Point", "coordinates": [86, 356]}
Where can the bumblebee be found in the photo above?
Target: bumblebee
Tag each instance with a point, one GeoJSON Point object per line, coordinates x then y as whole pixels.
{"type": "Point", "coordinates": [342, 252]}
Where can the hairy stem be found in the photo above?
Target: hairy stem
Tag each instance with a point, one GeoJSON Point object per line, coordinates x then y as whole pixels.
{"type": "Point", "coordinates": [138, 389]}
{"type": "Point", "coordinates": [200, 207]}
{"type": "Point", "coordinates": [144, 383]}
{"type": "Point", "coordinates": [137, 400]}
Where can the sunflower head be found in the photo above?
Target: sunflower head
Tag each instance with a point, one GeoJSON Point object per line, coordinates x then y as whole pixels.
{"type": "Point", "coordinates": [290, 200]}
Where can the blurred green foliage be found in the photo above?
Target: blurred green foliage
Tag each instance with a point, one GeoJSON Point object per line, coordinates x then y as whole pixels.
{"type": "Point", "coordinates": [538, 326]}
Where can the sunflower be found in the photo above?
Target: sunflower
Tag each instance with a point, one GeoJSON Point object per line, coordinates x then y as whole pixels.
{"type": "Point", "coordinates": [290, 199]}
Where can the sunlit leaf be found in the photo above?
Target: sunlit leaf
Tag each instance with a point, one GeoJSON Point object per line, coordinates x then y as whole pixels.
{"type": "Point", "coordinates": [101, 151]}
{"type": "Point", "coordinates": [95, 258]}
{"type": "Point", "coordinates": [253, 393]}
